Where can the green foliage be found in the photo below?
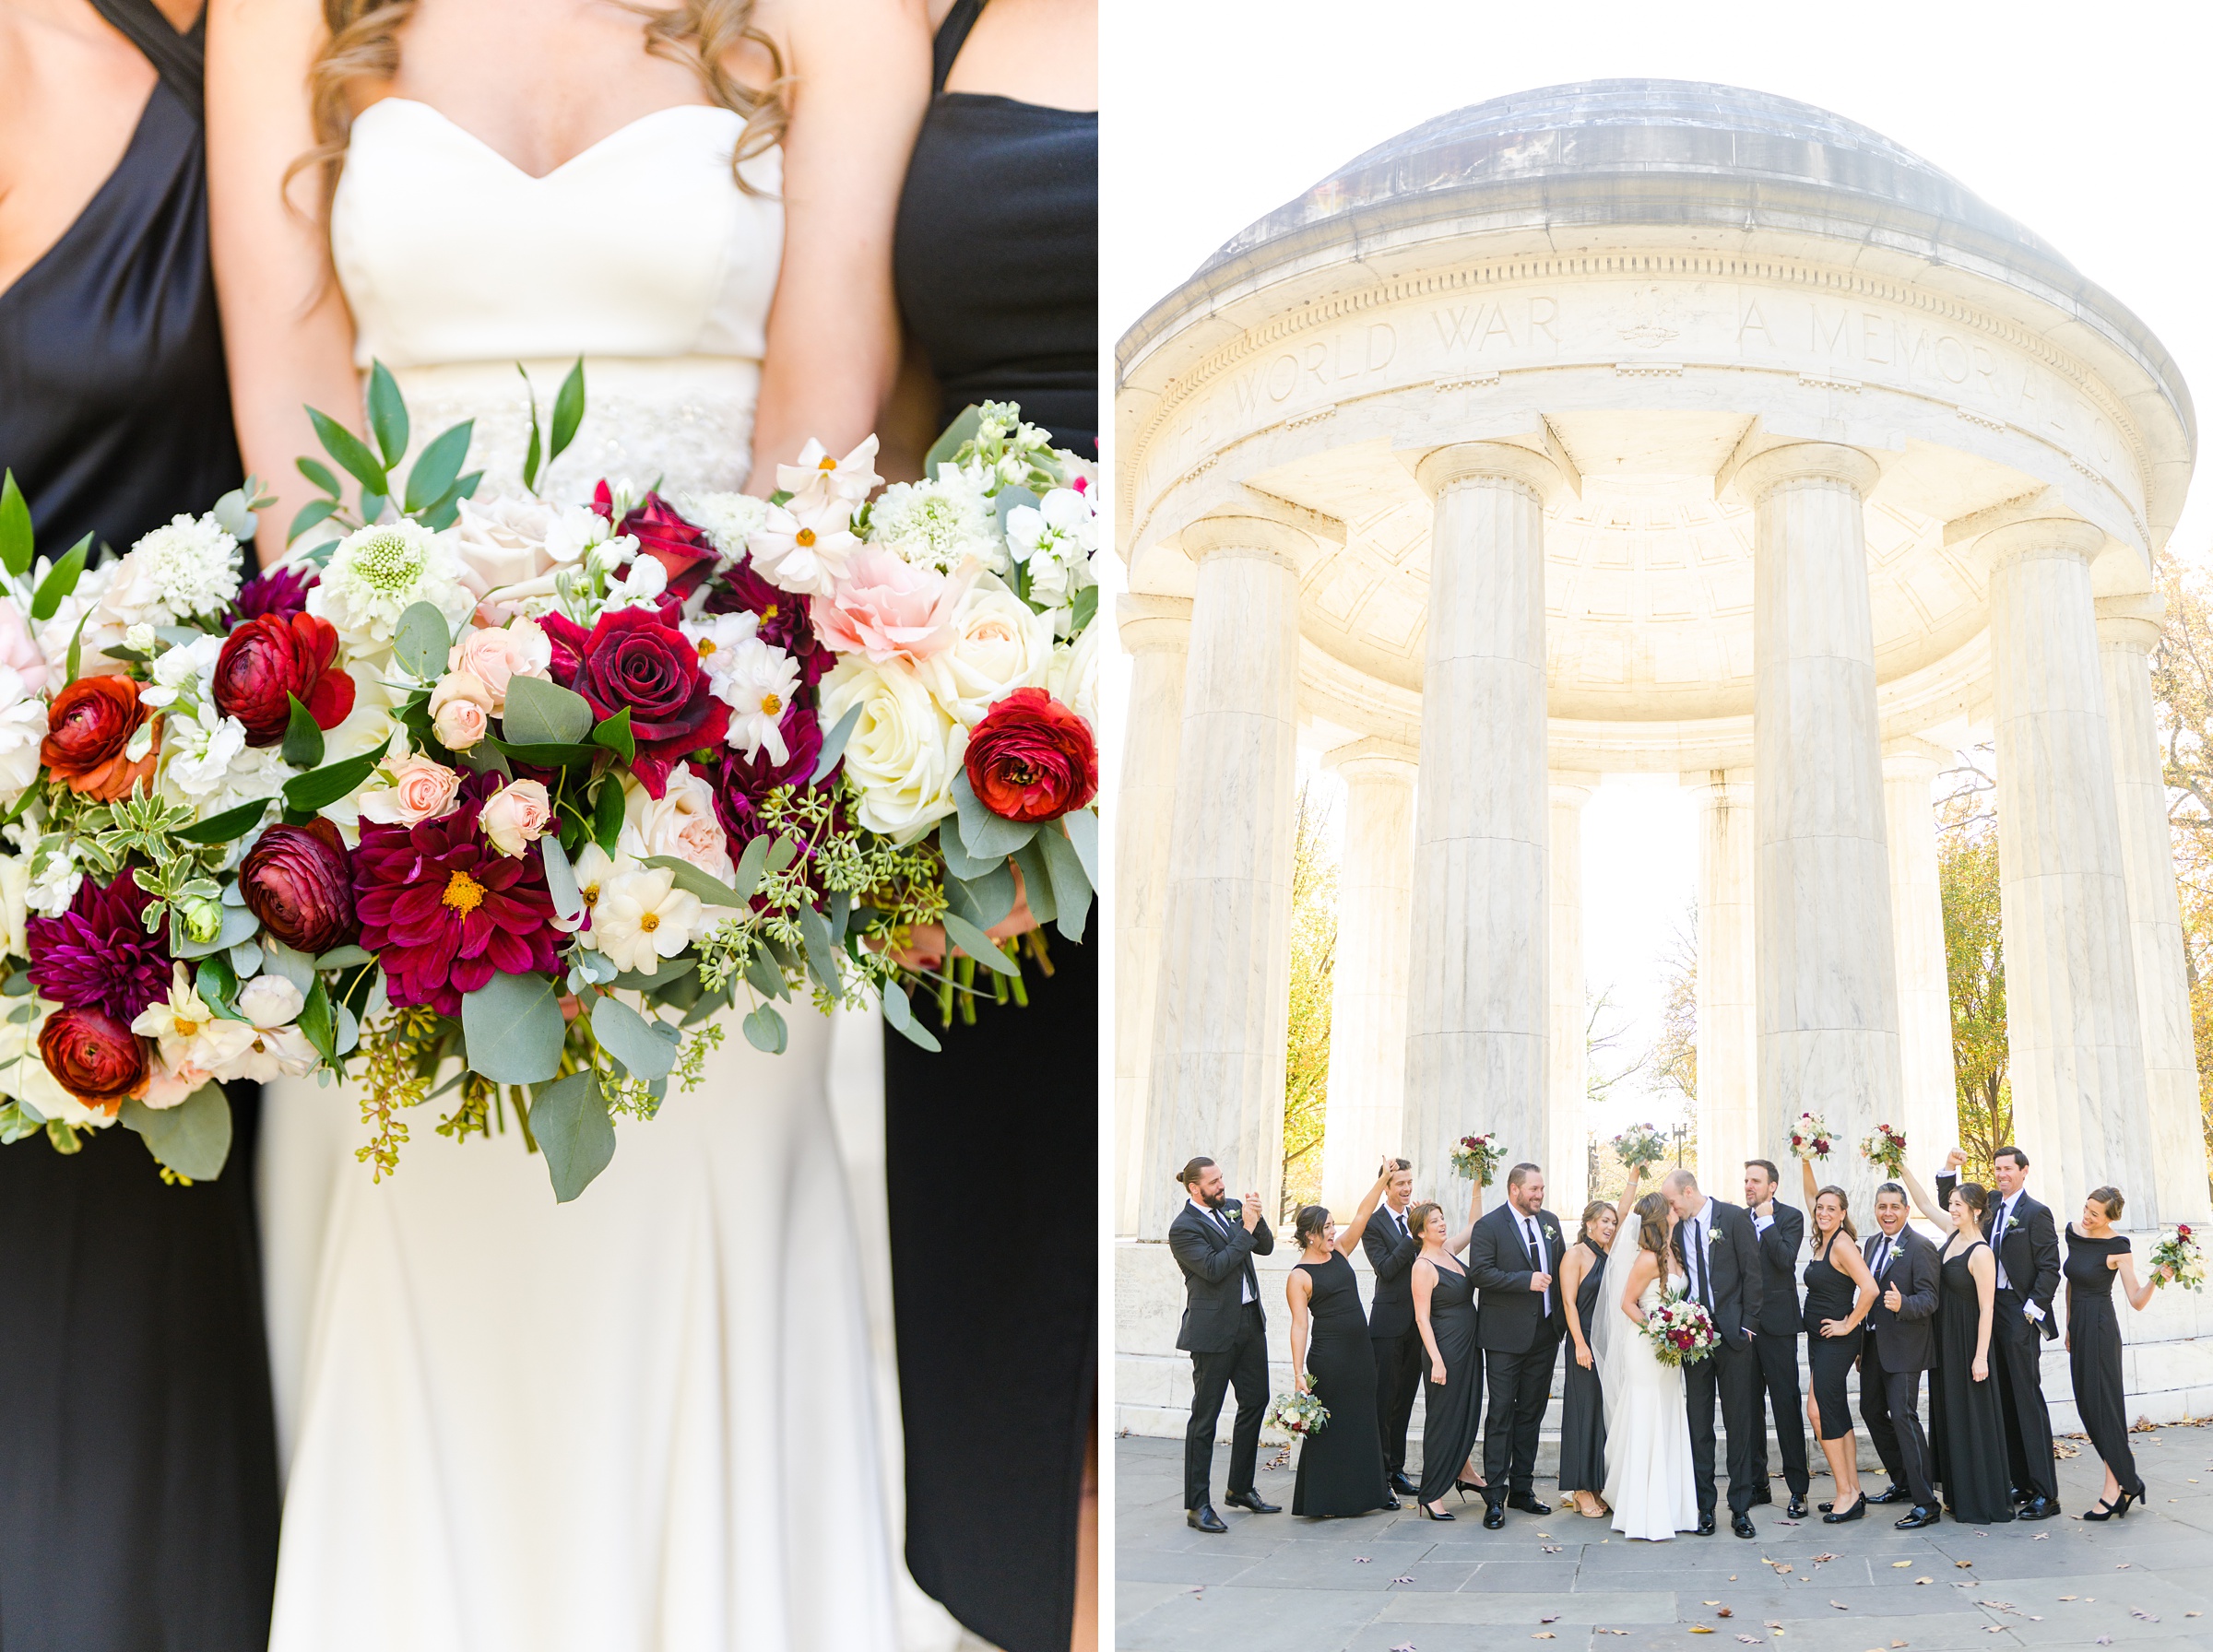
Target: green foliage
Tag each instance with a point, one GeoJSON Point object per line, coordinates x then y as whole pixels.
{"type": "Point", "coordinates": [1313, 972]}
{"type": "Point", "coordinates": [1974, 964]}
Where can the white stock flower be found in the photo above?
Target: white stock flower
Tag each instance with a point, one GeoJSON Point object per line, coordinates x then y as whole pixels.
{"type": "Point", "coordinates": [22, 726]}
{"type": "Point", "coordinates": [904, 751]}
{"type": "Point", "coordinates": [575, 530]}
{"type": "Point", "coordinates": [50, 892]}
{"type": "Point", "coordinates": [641, 917]}
{"type": "Point", "coordinates": [378, 573]}
{"type": "Point", "coordinates": [939, 524]}
{"type": "Point", "coordinates": [680, 823]}
{"type": "Point", "coordinates": [999, 643]}
{"type": "Point", "coordinates": [189, 566]}
{"type": "Point", "coordinates": [729, 520]}
{"type": "Point", "coordinates": [1055, 539]}
{"type": "Point", "coordinates": [851, 479]}
{"type": "Point", "coordinates": [184, 673]}
{"type": "Point", "coordinates": [641, 584]}
{"type": "Point", "coordinates": [804, 545]}
{"type": "Point", "coordinates": [197, 750]}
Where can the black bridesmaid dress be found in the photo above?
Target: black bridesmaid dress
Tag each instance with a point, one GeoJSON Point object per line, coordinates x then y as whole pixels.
{"type": "Point", "coordinates": [1829, 1294]}
{"type": "Point", "coordinates": [2094, 1353]}
{"type": "Point", "coordinates": [1452, 1415]}
{"type": "Point", "coordinates": [996, 259]}
{"type": "Point", "coordinates": [1582, 1401]}
{"type": "Point", "coordinates": [139, 1459]}
{"type": "Point", "coordinates": [1341, 1469]}
{"type": "Point", "coordinates": [1967, 1431]}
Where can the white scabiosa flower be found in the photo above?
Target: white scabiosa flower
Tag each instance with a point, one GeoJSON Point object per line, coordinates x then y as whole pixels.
{"type": "Point", "coordinates": [189, 566]}
{"type": "Point", "coordinates": [939, 524]}
{"type": "Point", "coordinates": [641, 917]}
{"type": "Point", "coordinates": [378, 573]}
{"type": "Point", "coordinates": [730, 520]}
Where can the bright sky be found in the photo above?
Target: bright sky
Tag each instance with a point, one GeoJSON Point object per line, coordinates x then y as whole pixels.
{"type": "Point", "coordinates": [2087, 124]}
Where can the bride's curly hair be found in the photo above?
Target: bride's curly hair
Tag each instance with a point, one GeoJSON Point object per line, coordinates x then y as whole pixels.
{"type": "Point", "coordinates": [1652, 1235]}
{"type": "Point", "coordinates": [700, 34]}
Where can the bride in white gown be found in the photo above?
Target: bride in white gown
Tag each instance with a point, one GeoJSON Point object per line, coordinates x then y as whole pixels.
{"type": "Point", "coordinates": [641, 1421]}
{"type": "Point", "coordinates": [1647, 1431]}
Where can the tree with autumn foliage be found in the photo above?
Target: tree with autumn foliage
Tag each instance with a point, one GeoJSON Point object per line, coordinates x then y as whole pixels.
{"type": "Point", "coordinates": [1313, 974]}
{"type": "Point", "coordinates": [2181, 686]}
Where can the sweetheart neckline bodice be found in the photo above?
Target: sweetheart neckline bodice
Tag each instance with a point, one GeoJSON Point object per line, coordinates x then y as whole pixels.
{"type": "Point", "coordinates": [591, 151]}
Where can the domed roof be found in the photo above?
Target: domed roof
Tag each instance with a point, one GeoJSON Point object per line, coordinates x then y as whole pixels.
{"type": "Point", "coordinates": [1649, 151]}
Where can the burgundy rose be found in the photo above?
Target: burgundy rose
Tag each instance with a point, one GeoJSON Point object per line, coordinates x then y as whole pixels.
{"type": "Point", "coordinates": [89, 727]}
{"type": "Point", "coordinates": [1031, 759]}
{"type": "Point", "coordinates": [679, 547]}
{"type": "Point", "coordinates": [784, 620]}
{"type": "Point", "coordinates": [265, 661]}
{"type": "Point", "coordinates": [634, 658]}
{"type": "Point", "coordinates": [95, 1057]}
{"type": "Point", "coordinates": [278, 591]}
{"type": "Point", "coordinates": [299, 881]}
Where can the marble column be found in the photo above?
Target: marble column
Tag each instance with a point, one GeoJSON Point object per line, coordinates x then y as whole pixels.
{"type": "Point", "coordinates": [2128, 628]}
{"type": "Point", "coordinates": [1828, 974]}
{"type": "Point", "coordinates": [1476, 1033]}
{"type": "Point", "coordinates": [1155, 632]}
{"type": "Point", "coordinates": [2076, 1042]}
{"type": "Point", "coordinates": [1729, 1124]}
{"type": "Point", "coordinates": [1929, 1110]}
{"type": "Point", "coordinates": [1567, 1158]}
{"type": "Point", "coordinates": [1368, 994]}
{"type": "Point", "coordinates": [1222, 999]}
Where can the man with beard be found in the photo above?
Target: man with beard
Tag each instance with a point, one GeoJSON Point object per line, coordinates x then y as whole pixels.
{"type": "Point", "coordinates": [1719, 1252]}
{"type": "Point", "coordinates": [1215, 1240]}
{"type": "Point", "coordinates": [1513, 1259]}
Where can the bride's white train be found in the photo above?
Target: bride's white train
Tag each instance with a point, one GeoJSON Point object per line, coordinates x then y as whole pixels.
{"type": "Point", "coordinates": [1648, 1466]}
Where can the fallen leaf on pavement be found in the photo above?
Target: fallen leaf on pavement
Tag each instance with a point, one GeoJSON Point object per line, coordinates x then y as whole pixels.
{"type": "Point", "coordinates": [1725, 1613]}
{"type": "Point", "coordinates": [1965, 1565]}
{"type": "Point", "coordinates": [1544, 1634]}
{"type": "Point", "coordinates": [1695, 1628]}
{"type": "Point", "coordinates": [1410, 1580]}
{"type": "Point", "coordinates": [1361, 1560]}
{"type": "Point", "coordinates": [1896, 1565]}
{"type": "Point", "coordinates": [1921, 1580]}
{"type": "Point", "coordinates": [1837, 1604]}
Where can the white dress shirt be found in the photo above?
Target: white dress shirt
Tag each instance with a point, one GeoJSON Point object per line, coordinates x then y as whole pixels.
{"type": "Point", "coordinates": [1532, 1240]}
{"type": "Point", "coordinates": [1221, 1218]}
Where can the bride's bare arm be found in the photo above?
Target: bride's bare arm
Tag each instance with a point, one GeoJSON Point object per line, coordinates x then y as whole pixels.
{"type": "Point", "coordinates": [286, 333]}
{"type": "Point", "coordinates": [859, 84]}
{"type": "Point", "coordinates": [1642, 1272]}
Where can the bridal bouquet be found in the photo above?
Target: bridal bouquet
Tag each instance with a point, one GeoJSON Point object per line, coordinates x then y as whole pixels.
{"type": "Point", "coordinates": [1639, 1146]}
{"type": "Point", "coordinates": [505, 802]}
{"type": "Point", "coordinates": [1812, 1138]}
{"type": "Point", "coordinates": [1680, 1330]}
{"type": "Point", "coordinates": [1298, 1415]}
{"type": "Point", "coordinates": [2178, 1256]}
{"type": "Point", "coordinates": [1886, 1148]}
{"type": "Point", "coordinates": [1476, 1158]}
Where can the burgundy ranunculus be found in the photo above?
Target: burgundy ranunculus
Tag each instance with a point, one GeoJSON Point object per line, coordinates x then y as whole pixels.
{"type": "Point", "coordinates": [742, 782]}
{"type": "Point", "coordinates": [265, 661]}
{"type": "Point", "coordinates": [633, 658]}
{"type": "Point", "coordinates": [1031, 759]}
{"type": "Point", "coordinates": [96, 1057]}
{"type": "Point", "coordinates": [299, 881]}
{"type": "Point", "coordinates": [278, 591]}
{"type": "Point", "coordinates": [99, 954]}
{"type": "Point", "coordinates": [785, 622]}
{"type": "Point", "coordinates": [679, 547]}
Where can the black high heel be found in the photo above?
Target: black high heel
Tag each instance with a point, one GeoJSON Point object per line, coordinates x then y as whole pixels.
{"type": "Point", "coordinates": [1464, 1487]}
{"type": "Point", "coordinates": [2104, 1511]}
{"type": "Point", "coordinates": [2115, 1510]}
{"type": "Point", "coordinates": [1430, 1513]}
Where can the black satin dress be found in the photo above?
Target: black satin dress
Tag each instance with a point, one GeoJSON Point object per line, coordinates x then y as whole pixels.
{"type": "Point", "coordinates": [1967, 1430]}
{"type": "Point", "coordinates": [997, 265]}
{"type": "Point", "coordinates": [1582, 1399]}
{"type": "Point", "coordinates": [137, 1453]}
{"type": "Point", "coordinates": [1453, 1413]}
{"type": "Point", "coordinates": [1341, 1469]}
{"type": "Point", "coordinates": [2094, 1353]}
{"type": "Point", "coordinates": [1830, 1295]}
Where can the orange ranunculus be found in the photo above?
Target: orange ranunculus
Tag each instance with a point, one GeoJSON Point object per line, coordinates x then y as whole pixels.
{"type": "Point", "coordinates": [91, 723]}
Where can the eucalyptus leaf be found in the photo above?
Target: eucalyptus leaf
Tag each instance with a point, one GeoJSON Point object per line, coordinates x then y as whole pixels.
{"type": "Point", "coordinates": [421, 642]}
{"type": "Point", "coordinates": [711, 889]}
{"type": "Point", "coordinates": [987, 836]}
{"type": "Point", "coordinates": [546, 757]}
{"type": "Point", "coordinates": [901, 1014]}
{"type": "Point", "coordinates": [626, 1035]}
{"type": "Point", "coordinates": [302, 737]}
{"type": "Point", "coordinates": [764, 1030]}
{"type": "Point", "coordinates": [958, 861]}
{"type": "Point", "coordinates": [437, 465]}
{"type": "Point", "coordinates": [1082, 607]}
{"type": "Point", "coordinates": [560, 880]}
{"type": "Point", "coordinates": [654, 979]}
{"type": "Point", "coordinates": [193, 1137]}
{"type": "Point", "coordinates": [983, 901]}
{"type": "Point", "coordinates": [61, 579]}
{"type": "Point", "coordinates": [350, 1029]}
{"type": "Point", "coordinates": [782, 852]}
{"type": "Point", "coordinates": [344, 958]}
{"type": "Point", "coordinates": [1071, 884]}
{"type": "Point", "coordinates": [956, 435]}
{"type": "Point", "coordinates": [750, 866]}
{"type": "Point", "coordinates": [387, 413]}
{"type": "Point", "coordinates": [245, 959]}
{"type": "Point", "coordinates": [1009, 500]}
{"type": "Point", "coordinates": [295, 966]}
{"type": "Point", "coordinates": [544, 714]}
{"type": "Point", "coordinates": [766, 979]}
{"type": "Point", "coordinates": [514, 1028]}
{"type": "Point", "coordinates": [977, 945]}
{"type": "Point", "coordinates": [569, 1121]}
{"type": "Point", "coordinates": [834, 744]}
{"type": "Point", "coordinates": [1035, 882]}
{"type": "Point", "coordinates": [822, 951]}
{"type": "Point", "coordinates": [485, 758]}
{"type": "Point", "coordinates": [1083, 835]}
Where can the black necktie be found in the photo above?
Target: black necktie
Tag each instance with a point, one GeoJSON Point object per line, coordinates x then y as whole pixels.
{"type": "Point", "coordinates": [1882, 1257]}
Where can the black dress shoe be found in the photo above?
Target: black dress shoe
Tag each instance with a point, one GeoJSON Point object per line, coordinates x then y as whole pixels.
{"type": "Point", "coordinates": [1390, 1501]}
{"type": "Point", "coordinates": [1493, 1515]}
{"type": "Point", "coordinates": [1797, 1511]}
{"type": "Point", "coordinates": [1764, 1495]}
{"type": "Point", "coordinates": [1741, 1526]}
{"type": "Point", "coordinates": [1858, 1511]}
{"type": "Point", "coordinates": [1922, 1515]}
{"type": "Point", "coordinates": [1895, 1494]}
{"type": "Point", "coordinates": [1203, 1519]}
{"type": "Point", "coordinates": [1706, 1526]}
{"type": "Point", "coordinates": [1404, 1487]}
{"type": "Point", "coordinates": [2037, 1508]}
{"type": "Point", "coordinates": [1527, 1503]}
{"type": "Point", "coordinates": [2021, 1497]}
{"type": "Point", "coordinates": [1250, 1502]}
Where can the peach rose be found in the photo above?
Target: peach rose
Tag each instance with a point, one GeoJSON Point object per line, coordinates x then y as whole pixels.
{"type": "Point", "coordinates": [516, 816]}
{"type": "Point", "coordinates": [681, 822]}
{"type": "Point", "coordinates": [421, 789]}
{"type": "Point", "coordinates": [496, 653]}
{"type": "Point", "coordinates": [460, 710]}
{"type": "Point", "coordinates": [888, 608]}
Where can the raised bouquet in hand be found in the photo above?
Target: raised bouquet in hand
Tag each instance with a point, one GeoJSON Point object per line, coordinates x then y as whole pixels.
{"type": "Point", "coordinates": [1680, 1330]}
{"type": "Point", "coordinates": [1297, 1414]}
{"type": "Point", "coordinates": [1886, 1148]}
{"type": "Point", "coordinates": [2177, 1257]}
{"type": "Point", "coordinates": [1476, 1158]}
{"type": "Point", "coordinates": [1639, 1146]}
{"type": "Point", "coordinates": [1812, 1138]}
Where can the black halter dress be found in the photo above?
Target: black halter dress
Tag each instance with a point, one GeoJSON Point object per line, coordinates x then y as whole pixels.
{"type": "Point", "coordinates": [997, 266]}
{"type": "Point", "coordinates": [138, 1457]}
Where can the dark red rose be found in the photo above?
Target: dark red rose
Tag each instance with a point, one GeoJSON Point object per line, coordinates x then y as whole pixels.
{"type": "Point", "coordinates": [299, 881]}
{"type": "Point", "coordinates": [89, 725]}
{"type": "Point", "coordinates": [679, 547]}
{"type": "Point", "coordinates": [1031, 759]}
{"type": "Point", "coordinates": [96, 1057]}
{"type": "Point", "coordinates": [633, 658]}
{"type": "Point", "coordinates": [266, 660]}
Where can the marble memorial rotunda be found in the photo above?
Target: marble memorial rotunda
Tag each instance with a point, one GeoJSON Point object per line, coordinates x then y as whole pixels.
{"type": "Point", "coordinates": [1662, 427]}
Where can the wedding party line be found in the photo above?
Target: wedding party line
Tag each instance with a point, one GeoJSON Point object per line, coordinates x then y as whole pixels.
{"type": "Point", "coordinates": [1666, 1308]}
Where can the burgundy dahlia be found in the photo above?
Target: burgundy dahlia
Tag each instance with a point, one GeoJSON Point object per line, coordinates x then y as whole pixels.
{"type": "Point", "coordinates": [298, 882]}
{"type": "Point", "coordinates": [742, 782]}
{"type": "Point", "coordinates": [784, 620]}
{"type": "Point", "coordinates": [98, 955]}
{"type": "Point", "coordinates": [636, 659]}
{"type": "Point", "coordinates": [94, 1056]}
{"type": "Point", "coordinates": [446, 911]}
{"type": "Point", "coordinates": [278, 591]}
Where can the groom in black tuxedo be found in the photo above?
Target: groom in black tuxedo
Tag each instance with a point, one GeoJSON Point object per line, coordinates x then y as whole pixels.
{"type": "Point", "coordinates": [1719, 1249]}
{"type": "Point", "coordinates": [1900, 1347]}
{"type": "Point", "coordinates": [1513, 1260]}
{"type": "Point", "coordinates": [1214, 1240]}
{"type": "Point", "coordinates": [1391, 1247]}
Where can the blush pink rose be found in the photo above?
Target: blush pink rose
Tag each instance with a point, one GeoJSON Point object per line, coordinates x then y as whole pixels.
{"type": "Point", "coordinates": [516, 816]}
{"type": "Point", "coordinates": [21, 649]}
{"type": "Point", "coordinates": [888, 608]}
{"type": "Point", "coordinates": [494, 655]}
{"type": "Point", "coordinates": [460, 710]}
{"type": "Point", "coordinates": [421, 789]}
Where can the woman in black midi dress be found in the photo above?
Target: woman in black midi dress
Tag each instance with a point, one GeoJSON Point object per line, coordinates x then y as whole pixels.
{"type": "Point", "coordinates": [138, 1459]}
{"type": "Point", "coordinates": [2096, 1254]}
{"type": "Point", "coordinates": [1445, 1314]}
{"type": "Point", "coordinates": [1341, 1469]}
{"type": "Point", "coordinates": [1967, 1425]}
{"type": "Point", "coordinates": [996, 260]}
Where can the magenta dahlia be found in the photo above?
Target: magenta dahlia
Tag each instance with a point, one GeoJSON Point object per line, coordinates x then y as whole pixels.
{"type": "Point", "coordinates": [99, 954]}
{"type": "Point", "coordinates": [445, 911]}
{"type": "Point", "coordinates": [278, 591]}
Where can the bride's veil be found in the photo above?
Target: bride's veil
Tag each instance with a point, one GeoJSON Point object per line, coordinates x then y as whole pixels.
{"type": "Point", "coordinates": [1611, 1329]}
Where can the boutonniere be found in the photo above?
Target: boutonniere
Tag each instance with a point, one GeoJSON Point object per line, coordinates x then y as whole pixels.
{"type": "Point", "coordinates": [1713, 1238]}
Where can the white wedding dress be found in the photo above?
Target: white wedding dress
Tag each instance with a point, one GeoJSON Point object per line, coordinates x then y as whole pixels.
{"type": "Point", "coordinates": [1649, 1481]}
{"type": "Point", "coordinates": [641, 1422]}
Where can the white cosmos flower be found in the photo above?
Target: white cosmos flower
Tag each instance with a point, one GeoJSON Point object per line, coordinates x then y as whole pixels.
{"type": "Point", "coordinates": [851, 479]}
{"type": "Point", "coordinates": [270, 1001]}
{"type": "Point", "coordinates": [594, 867]}
{"type": "Point", "coordinates": [757, 680]}
{"type": "Point", "coordinates": [641, 917]}
{"type": "Point", "coordinates": [804, 545]}
{"type": "Point", "coordinates": [272, 1053]}
{"type": "Point", "coordinates": [378, 573]}
{"type": "Point", "coordinates": [904, 751]}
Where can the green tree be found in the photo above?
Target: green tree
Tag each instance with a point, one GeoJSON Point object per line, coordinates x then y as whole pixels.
{"type": "Point", "coordinates": [1313, 968]}
{"type": "Point", "coordinates": [2181, 686]}
{"type": "Point", "coordinates": [1974, 963]}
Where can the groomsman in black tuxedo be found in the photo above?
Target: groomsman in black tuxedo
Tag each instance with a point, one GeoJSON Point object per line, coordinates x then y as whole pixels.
{"type": "Point", "coordinates": [1719, 1252]}
{"type": "Point", "coordinates": [1392, 1248]}
{"type": "Point", "coordinates": [1899, 1349]}
{"type": "Point", "coordinates": [1782, 1232]}
{"type": "Point", "coordinates": [2024, 1241]}
{"type": "Point", "coordinates": [1214, 1240]}
{"type": "Point", "coordinates": [1513, 1259]}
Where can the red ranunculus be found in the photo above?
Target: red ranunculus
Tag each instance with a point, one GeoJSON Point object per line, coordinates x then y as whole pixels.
{"type": "Point", "coordinates": [679, 547]}
{"type": "Point", "coordinates": [1033, 759]}
{"type": "Point", "coordinates": [299, 881]}
{"type": "Point", "coordinates": [90, 724]}
{"type": "Point", "coordinates": [632, 658]}
{"type": "Point", "coordinates": [268, 659]}
{"type": "Point", "coordinates": [95, 1056]}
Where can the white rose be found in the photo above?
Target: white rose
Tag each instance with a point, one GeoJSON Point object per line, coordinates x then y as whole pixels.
{"type": "Point", "coordinates": [501, 542]}
{"type": "Point", "coordinates": [1073, 678]}
{"type": "Point", "coordinates": [22, 726]}
{"type": "Point", "coordinates": [681, 822]}
{"type": "Point", "coordinates": [902, 752]}
{"type": "Point", "coordinates": [999, 643]}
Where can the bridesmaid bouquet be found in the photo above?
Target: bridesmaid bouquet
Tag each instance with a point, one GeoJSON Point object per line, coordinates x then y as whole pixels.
{"type": "Point", "coordinates": [1298, 1415]}
{"type": "Point", "coordinates": [1812, 1138]}
{"type": "Point", "coordinates": [1639, 1146]}
{"type": "Point", "coordinates": [1476, 1158]}
{"type": "Point", "coordinates": [1886, 1148]}
{"type": "Point", "coordinates": [2178, 1258]}
{"type": "Point", "coordinates": [1680, 1331]}
{"type": "Point", "coordinates": [505, 802]}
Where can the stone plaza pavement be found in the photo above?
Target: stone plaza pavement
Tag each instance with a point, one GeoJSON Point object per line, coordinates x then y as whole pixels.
{"type": "Point", "coordinates": [1396, 1583]}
